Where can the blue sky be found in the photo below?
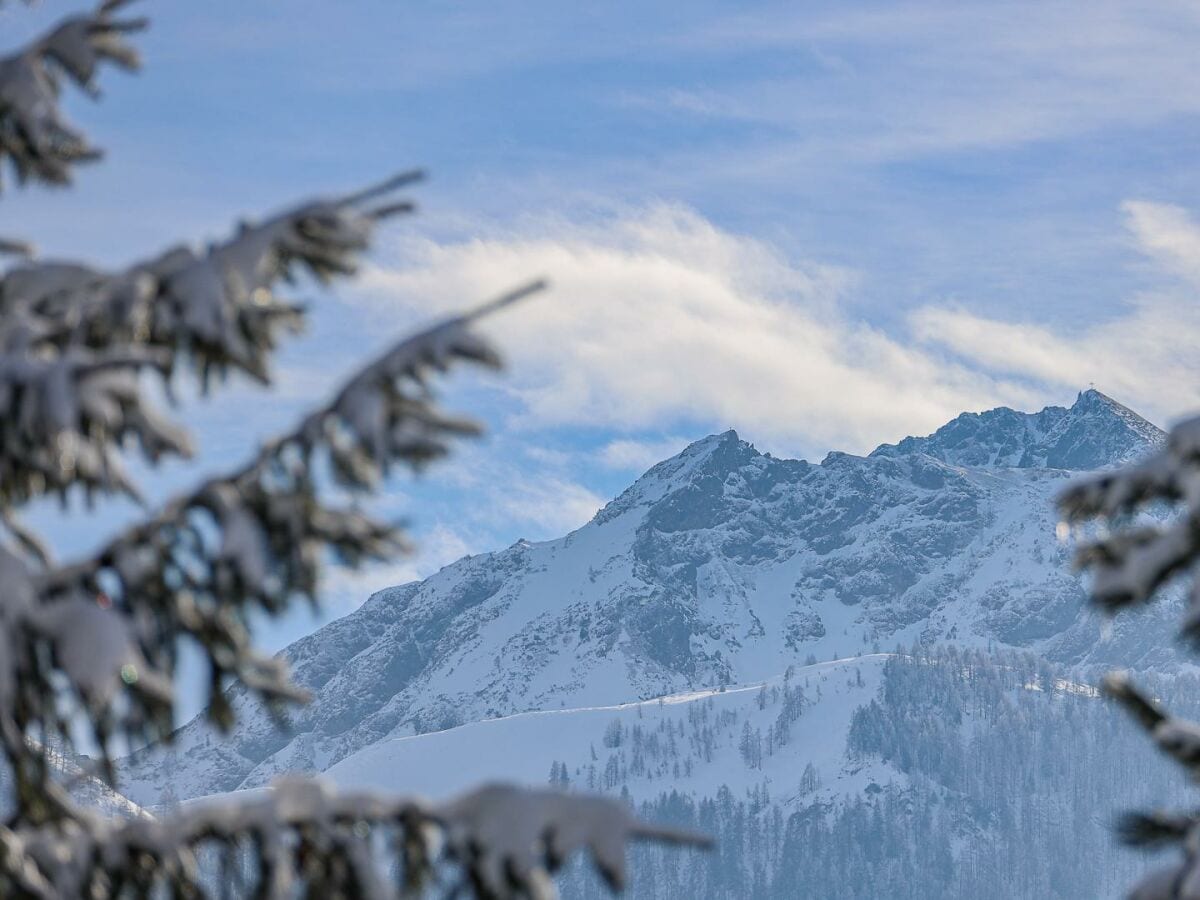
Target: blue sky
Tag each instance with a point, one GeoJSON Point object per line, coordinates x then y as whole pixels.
{"type": "Point", "coordinates": [827, 225]}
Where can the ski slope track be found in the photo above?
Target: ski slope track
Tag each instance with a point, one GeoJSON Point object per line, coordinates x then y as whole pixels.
{"type": "Point", "coordinates": [690, 742]}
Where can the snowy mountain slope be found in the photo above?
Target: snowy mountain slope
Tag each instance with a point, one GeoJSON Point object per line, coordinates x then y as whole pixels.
{"type": "Point", "coordinates": [742, 737]}
{"type": "Point", "coordinates": [721, 565]}
{"type": "Point", "coordinates": [930, 775]}
{"type": "Point", "coordinates": [762, 735]}
{"type": "Point", "coordinates": [86, 788]}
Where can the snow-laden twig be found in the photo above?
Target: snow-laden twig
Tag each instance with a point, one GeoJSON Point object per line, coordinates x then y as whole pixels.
{"type": "Point", "coordinates": [72, 338]}
{"type": "Point", "coordinates": [1179, 739]}
{"type": "Point", "coordinates": [1132, 561]}
{"type": "Point", "coordinates": [61, 420]}
{"type": "Point", "coordinates": [13, 247]}
{"type": "Point", "coordinates": [507, 837]}
{"type": "Point", "coordinates": [1181, 879]}
{"type": "Point", "coordinates": [301, 835]}
{"type": "Point", "coordinates": [213, 306]}
{"type": "Point", "coordinates": [35, 137]}
{"type": "Point", "coordinates": [99, 636]}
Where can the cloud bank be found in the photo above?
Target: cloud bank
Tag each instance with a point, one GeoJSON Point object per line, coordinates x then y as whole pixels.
{"type": "Point", "coordinates": [1145, 355]}
{"type": "Point", "coordinates": [660, 321]}
{"type": "Point", "coordinates": [659, 317]}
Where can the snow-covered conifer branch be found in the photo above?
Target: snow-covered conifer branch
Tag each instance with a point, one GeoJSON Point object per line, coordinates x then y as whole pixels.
{"type": "Point", "coordinates": [99, 636]}
{"type": "Point", "coordinates": [1181, 879]}
{"type": "Point", "coordinates": [14, 247]}
{"type": "Point", "coordinates": [1129, 564]}
{"type": "Point", "coordinates": [303, 837]}
{"type": "Point", "coordinates": [215, 306]}
{"type": "Point", "coordinates": [1180, 740]}
{"type": "Point", "coordinates": [250, 540]}
{"type": "Point", "coordinates": [1155, 829]}
{"type": "Point", "coordinates": [63, 417]}
{"type": "Point", "coordinates": [35, 138]}
{"type": "Point", "coordinates": [72, 338]}
{"type": "Point", "coordinates": [507, 838]}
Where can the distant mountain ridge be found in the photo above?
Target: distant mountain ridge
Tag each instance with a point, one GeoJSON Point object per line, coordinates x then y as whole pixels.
{"type": "Point", "coordinates": [1096, 431]}
{"type": "Point", "coordinates": [720, 565]}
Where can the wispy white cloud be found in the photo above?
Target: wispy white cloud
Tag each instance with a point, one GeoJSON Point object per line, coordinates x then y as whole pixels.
{"type": "Point", "coordinates": [633, 455]}
{"type": "Point", "coordinates": [658, 316]}
{"type": "Point", "coordinates": [437, 547]}
{"type": "Point", "coordinates": [1168, 235]}
{"type": "Point", "coordinates": [1144, 355]}
{"type": "Point", "coordinates": [552, 504]}
{"type": "Point", "coordinates": [958, 75]}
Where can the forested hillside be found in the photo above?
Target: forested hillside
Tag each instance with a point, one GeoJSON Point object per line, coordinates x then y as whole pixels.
{"type": "Point", "coordinates": [1014, 775]}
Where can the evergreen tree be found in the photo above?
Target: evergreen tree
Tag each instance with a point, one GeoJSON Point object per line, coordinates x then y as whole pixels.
{"type": "Point", "coordinates": [95, 640]}
{"type": "Point", "coordinates": [1151, 514]}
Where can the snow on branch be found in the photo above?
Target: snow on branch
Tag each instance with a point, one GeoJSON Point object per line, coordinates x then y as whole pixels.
{"type": "Point", "coordinates": [1155, 829]}
{"type": "Point", "coordinates": [99, 636]}
{"type": "Point", "coordinates": [508, 837]}
{"type": "Point", "coordinates": [1129, 564]}
{"type": "Point", "coordinates": [72, 338]}
{"type": "Point", "coordinates": [35, 138]}
{"type": "Point", "coordinates": [215, 306]}
{"type": "Point", "coordinates": [302, 837]}
{"type": "Point", "coordinates": [251, 540]}
{"type": "Point", "coordinates": [63, 418]}
{"type": "Point", "coordinates": [11, 247]}
{"type": "Point", "coordinates": [1179, 739]}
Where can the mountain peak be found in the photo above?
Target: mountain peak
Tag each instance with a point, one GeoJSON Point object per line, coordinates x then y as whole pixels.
{"type": "Point", "coordinates": [1095, 432]}
{"type": "Point", "coordinates": [710, 442]}
{"type": "Point", "coordinates": [1094, 401]}
{"type": "Point", "coordinates": [713, 450]}
{"type": "Point", "coordinates": [1091, 395]}
{"type": "Point", "coordinates": [716, 454]}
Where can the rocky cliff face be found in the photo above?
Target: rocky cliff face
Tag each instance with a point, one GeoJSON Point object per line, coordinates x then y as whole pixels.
{"type": "Point", "coordinates": [719, 565]}
{"type": "Point", "coordinates": [1095, 432]}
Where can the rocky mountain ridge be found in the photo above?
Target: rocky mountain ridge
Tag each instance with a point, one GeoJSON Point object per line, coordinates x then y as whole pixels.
{"type": "Point", "coordinates": [721, 565]}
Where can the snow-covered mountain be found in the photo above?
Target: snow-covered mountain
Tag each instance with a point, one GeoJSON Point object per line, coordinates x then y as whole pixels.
{"type": "Point", "coordinates": [693, 742]}
{"type": "Point", "coordinates": [719, 566]}
{"type": "Point", "coordinates": [1095, 432]}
